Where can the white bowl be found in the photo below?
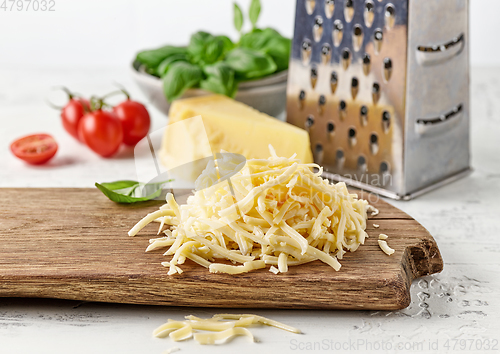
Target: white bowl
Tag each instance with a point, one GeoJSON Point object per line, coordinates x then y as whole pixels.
{"type": "Point", "coordinates": [267, 95]}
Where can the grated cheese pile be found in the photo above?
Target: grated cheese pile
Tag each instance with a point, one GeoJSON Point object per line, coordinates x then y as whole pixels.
{"type": "Point", "coordinates": [274, 211]}
{"type": "Point", "coordinates": [223, 327]}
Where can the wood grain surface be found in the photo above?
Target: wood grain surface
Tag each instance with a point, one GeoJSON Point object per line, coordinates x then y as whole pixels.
{"type": "Point", "coordinates": [72, 243]}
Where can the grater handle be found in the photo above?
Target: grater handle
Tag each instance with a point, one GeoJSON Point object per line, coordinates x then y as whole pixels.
{"type": "Point", "coordinates": [440, 124]}
{"type": "Point", "coordinates": [437, 54]}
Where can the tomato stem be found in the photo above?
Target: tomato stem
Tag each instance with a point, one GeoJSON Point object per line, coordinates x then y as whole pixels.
{"type": "Point", "coordinates": [65, 89]}
{"type": "Point", "coordinates": [122, 89]}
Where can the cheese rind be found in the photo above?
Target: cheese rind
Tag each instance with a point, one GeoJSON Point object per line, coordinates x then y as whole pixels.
{"type": "Point", "coordinates": [236, 128]}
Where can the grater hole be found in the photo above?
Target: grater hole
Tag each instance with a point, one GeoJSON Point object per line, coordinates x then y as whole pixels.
{"type": "Point", "coordinates": [390, 16]}
{"type": "Point", "coordinates": [346, 58]}
{"type": "Point", "coordinates": [314, 77]}
{"type": "Point", "coordinates": [329, 8]}
{"type": "Point", "coordinates": [339, 157]}
{"type": "Point", "coordinates": [342, 109]}
{"type": "Point", "coordinates": [364, 115]}
{"type": "Point", "coordinates": [369, 14]}
{"type": "Point", "coordinates": [374, 143]}
{"type": "Point", "coordinates": [375, 92]}
{"type": "Point", "coordinates": [321, 104]}
{"type": "Point", "coordinates": [318, 153]}
{"type": "Point", "coordinates": [384, 168]}
{"type": "Point", "coordinates": [334, 79]}
{"type": "Point", "coordinates": [330, 127]}
{"type": "Point", "coordinates": [306, 51]}
{"type": "Point", "coordinates": [318, 28]}
{"type": "Point", "coordinates": [338, 32]}
{"type": "Point", "coordinates": [310, 5]}
{"type": "Point", "coordinates": [354, 87]}
{"type": "Point", "coordinates": [358, 37]}
{"type": "Point", "coordinates": [349, 10]}
{"type": "Point", "coordinates": [309, 122]}
{"type": "Point", "coordinates": [352, 136]}
{"type": "Point", "coordinates": [378, 37]}
{"type": "Point", "coordinates": [366, 63]}
{"type": "Point", "coordinates": [386, 121]}
{"type": "Point", "coordinates": [361, 163]}
{"type": "Point", "coordinates": [326, 53]}
{"type": "Point", "coordinates": [302, 97]}
{"type": "Point", "coordinates": [387, 69]}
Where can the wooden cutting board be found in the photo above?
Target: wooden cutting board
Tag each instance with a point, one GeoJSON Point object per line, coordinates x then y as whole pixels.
{"type": "Point", "coordinates": [72, 243]}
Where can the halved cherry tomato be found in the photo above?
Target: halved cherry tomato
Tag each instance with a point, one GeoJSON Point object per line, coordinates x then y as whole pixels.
{"type": "Point", "coordinates": [72, 112]}
{"type": "Point", "coordinates": [34, 149]}
{"type": "Point", "coordinates": [102, 132]}
{"type": "Point", "coordinates": [135, 121]}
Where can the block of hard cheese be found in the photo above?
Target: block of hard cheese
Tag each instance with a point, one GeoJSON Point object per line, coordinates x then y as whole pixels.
{"type": "Point", "coordinates": [233, 127]}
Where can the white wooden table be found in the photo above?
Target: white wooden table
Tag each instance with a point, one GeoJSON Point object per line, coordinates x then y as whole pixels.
{"type": "Point", "coordinates": [455, 311]}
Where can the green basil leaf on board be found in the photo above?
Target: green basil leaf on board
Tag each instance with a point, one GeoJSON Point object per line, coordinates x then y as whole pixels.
{"type": "Point", "coordinates": [167, 62]}
{"type": "Point", "coordinates": [180, 77]}
{"type": "Point", "coordinates": [220, 79]}
{"type": "Point", "coordinates": [254, 12]}
{"type": "Point", "coordinates": [152, 58]}
{"type": "Point", "coordinates": [279, 49]}
{"type": "Point", "coordinates": [127, 192]}
{"type": "Point", "coordinates": [238, 18]}
{"type": "Point", "coordinates": [250, 64]}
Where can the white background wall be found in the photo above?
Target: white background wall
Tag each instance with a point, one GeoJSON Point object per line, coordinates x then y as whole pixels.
{"type": "Point", "coordinates": [108, 33]}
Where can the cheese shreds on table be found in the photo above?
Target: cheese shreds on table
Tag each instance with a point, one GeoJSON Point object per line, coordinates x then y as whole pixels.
{"type": "Point", "coordinates": [383, 237]}
{"type": "Point", "coordinates": [219, 329]}
{"type": "Point", "coordinates": [385, 247]}
{"type": "Point", "coordinates": [275, 211]}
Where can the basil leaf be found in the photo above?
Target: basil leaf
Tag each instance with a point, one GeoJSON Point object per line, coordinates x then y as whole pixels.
{"type": "Point", "coordinates": [258, 39]}
{"type": "Point", "coordinates": [198, 44]}
{"type": "Point", "coordinates": [213, 51]}
{"type": "Point", "coordinates": [254, 12]}
{"type": "Point", "coordinates": [250, 64]}
{"type": "Point", "coordinates": [180, 77]}
{"type": "Point", "coordinates": [127, 192]}
{"type": "Point", "coordinates": [152, 58]}
{"type": "Point", "coordinates": [238, 17]}
{"type": "Point", "coordinates": [228, 44]}
{"type": "Point", "coordinates": [167, 62]}
{"type": "Point", "coordinates": [205, 49]}
{"type": "Point", "coordinates": [220, 79]}
{"type": "Point", "coordinates": [279, 49]}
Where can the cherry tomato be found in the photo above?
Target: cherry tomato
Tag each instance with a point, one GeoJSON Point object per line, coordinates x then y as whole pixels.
{"type": "Point", "coordinates": [135, 121]}
{"type": "Point", "coordinates": [34, 149]}
{"type": "Point", "coordinates": [71, 114]}
{"type": "Point", "coordinates": [102, 132]}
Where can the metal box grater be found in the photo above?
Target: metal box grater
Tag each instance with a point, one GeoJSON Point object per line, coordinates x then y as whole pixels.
{"type": "Point", "coordinates": [383, 89]}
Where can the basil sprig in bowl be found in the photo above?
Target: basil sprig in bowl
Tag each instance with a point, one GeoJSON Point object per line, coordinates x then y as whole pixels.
{"type": "Point", "coordinates": [252, 70]}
